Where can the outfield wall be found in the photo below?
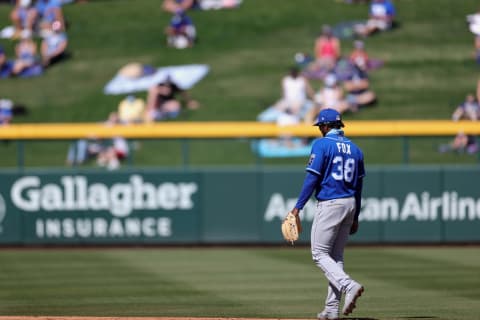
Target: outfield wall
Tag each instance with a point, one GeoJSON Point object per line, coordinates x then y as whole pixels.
{"type": "Point", "coordinates": [401, 204]}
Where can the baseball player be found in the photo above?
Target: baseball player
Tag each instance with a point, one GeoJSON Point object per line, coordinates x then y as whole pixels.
{"type": "Point", "coordinates": [334, 174]}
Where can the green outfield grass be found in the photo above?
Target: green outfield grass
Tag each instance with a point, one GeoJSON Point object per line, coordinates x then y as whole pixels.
{"type": "Point", "coordinates": [429, 68]}
{"type": "Point", "coordinates": [401, 283]}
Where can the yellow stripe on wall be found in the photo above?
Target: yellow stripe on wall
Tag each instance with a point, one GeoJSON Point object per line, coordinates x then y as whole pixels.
{"type": "Point", "coordinates": [201, 130]}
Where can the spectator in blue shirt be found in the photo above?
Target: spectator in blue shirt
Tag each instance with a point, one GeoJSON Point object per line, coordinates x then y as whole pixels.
{"type": "Point", "coordinates": [6, 113]}
{"type": "Point", "coordinates": [22, 17]}
{"type": "Point", "coordinates": [181, 32]}
{"type": "Point", "coordinates": [5, 65]}
{"type": "Point", "coordinates": [26, 56]}
{"type": "Point", "coordinates": [47, 12]}
{"type": "Point", "coordinates": [382, 15]}
{"type": "Point", "coordinates": [359, 93]}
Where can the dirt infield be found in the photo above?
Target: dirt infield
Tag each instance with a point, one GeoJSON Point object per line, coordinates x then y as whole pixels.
{"type": "Point", "coordinates": [126, 318]}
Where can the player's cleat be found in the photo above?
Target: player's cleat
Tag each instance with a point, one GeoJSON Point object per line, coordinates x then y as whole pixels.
{"type": "Point", "coordinates": [351, 297]}
{"type": "Point", "coordinates": [326, 315]}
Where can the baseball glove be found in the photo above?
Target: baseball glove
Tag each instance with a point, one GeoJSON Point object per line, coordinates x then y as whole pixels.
{"type": "Point", "coordinates": [291, 228]}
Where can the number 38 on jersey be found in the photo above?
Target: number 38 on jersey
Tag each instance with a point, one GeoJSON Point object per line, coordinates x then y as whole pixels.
{"type": "Point", "coordinates": [343, 168]}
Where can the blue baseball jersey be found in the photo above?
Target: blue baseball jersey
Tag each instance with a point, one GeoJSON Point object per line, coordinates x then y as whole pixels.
{"type": "Point", "coordinates": [335, 170]}
{"type": "Point", "coordinates": [339, 165]}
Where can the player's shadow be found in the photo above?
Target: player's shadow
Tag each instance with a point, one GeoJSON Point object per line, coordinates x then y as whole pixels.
{"type": "Point", "coordinates": [411, 317]}
{"type": "Point", "coordinates": [419, 317]}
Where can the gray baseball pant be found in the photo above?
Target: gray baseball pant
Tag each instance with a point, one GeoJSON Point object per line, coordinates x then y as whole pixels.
{"type": "Point", "coordinates": [330, 230]}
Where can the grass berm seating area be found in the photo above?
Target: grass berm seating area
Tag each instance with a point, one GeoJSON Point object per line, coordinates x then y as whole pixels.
{"type": "Point", "coordinates": [429, 68]}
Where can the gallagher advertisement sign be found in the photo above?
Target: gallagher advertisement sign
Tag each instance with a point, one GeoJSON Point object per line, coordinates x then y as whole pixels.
{"type": "Point", "coordinates": [103, 208]}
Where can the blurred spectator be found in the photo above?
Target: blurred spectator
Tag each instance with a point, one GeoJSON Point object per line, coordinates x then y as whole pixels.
{"type": "Point", "coordinates": [27, 18]}
{"type": "Point", "coordinates": [355, 1]}
{"type": "Point", "coordinates": [6, 111]}
{"type": "Point", "coordinates": [72, 1]}
{"type": "Point", "coordinates": [478, 91]}
{"type": "Point", "coordinates": [111, 156]}
{"type": "Point", "coordinates": [5, 65]}
{"type": "Point", "coordinates": [174, 6]}
{"type": "Point", "coordinates": [26, 56]}
{"type": "Point", "coordinates": [359, 57]}
{"type": "Point", "coordinates": [473, 21]}
{"type": "Point", "coordinates": [287, 118]}
{"type": "Point", "coordinates": [331, 95]}
{"type": "Point", "coordinates": [22, 17]}
{"type": "Point", "coordinates": [181, 32]}
{"type": "Point", "coordinates": [162, 102]}
{"type": "Point", "coordinates": [217, 4]}
{"type": "Point", "coordinates": [83, 150]}
{"type": "Point", "coordinates": [131, 109]}
{"type": "Point", "coordinates": [9, 110]}
{"type": "Point", "coordinates": [302, 59]}
{"type": "Point", "coordinates": [468, 110]}
{"type": "Point", "coordinates": [382, 15]}
{"type": "Point", "coordinates": [327, 49]}
{"type": "Point", "coordinates": [116, 150]}
{"type": "Point", "coordinates": [358, 90]}
{"type": "Point", "coordinates": [47, 12]}
{"type": "Point", "coordinates": [462, 143]}
{"type": "Point", "coordinates": [295, 92]}
{"type": "Point", "coordinates": [477, 48]}
{"type": "Point", "coordinates": [54, 45]}
{"type": "Point", "coordinates": [136, 70]}
{"type": "Point", "coordinates": [109, 153]}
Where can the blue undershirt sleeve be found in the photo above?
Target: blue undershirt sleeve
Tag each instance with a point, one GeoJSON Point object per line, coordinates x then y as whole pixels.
{"type": "Point", "coordinates": [309, 185]}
